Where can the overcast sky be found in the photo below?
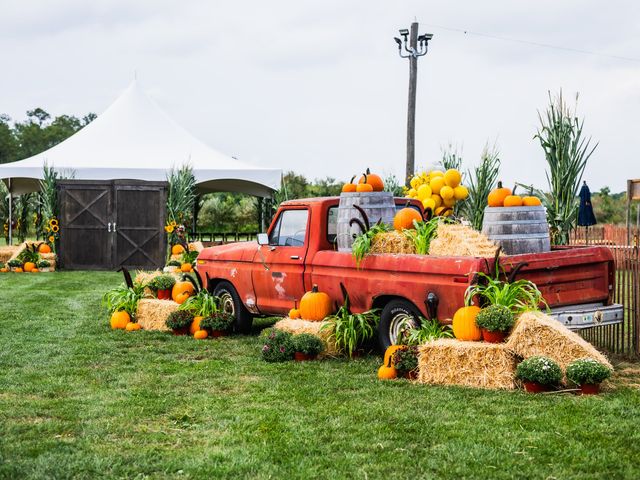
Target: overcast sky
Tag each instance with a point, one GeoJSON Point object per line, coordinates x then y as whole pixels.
{"type": "Point", "coordinates": [318, 87]}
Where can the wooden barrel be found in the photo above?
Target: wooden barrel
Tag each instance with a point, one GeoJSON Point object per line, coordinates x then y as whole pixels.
{"type": "Point", "coordinates": [376, 205]}
{"type": "Point", "coordinates": [518, 229]}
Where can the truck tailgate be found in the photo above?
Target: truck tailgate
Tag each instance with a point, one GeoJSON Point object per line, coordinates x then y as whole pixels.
{"type": "Point", "coordinates": [568, 276]}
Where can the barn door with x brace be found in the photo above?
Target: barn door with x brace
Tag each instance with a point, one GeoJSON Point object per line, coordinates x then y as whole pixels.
{"type": "Point", "coordinates": [137, 225]}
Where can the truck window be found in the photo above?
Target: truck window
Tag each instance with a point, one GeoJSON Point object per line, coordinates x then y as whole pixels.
{"type": "Point", "coordinates": [332, 224]}
{"type": "Point", "coordinates": [290, 229]}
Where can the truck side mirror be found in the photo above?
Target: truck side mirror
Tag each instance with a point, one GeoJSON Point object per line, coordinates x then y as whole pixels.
{"type": "Point", "coordinates": [263, 239]}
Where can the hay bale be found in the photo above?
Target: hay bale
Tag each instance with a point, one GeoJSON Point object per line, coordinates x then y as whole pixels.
{"type": "Point", "coordinates": [298, 326]}
{"type": "Point", "coordinates": [461, 241]}
{"type": "Point", "coordinates": [536, 333]}
{"type": "Point", "coordinates": [470, 364]}
{"type": "Point", "coordinates": [152, 313]}
{"type": "Point", "coordinates": [8, 252]}
{"type": "Point", "coordinates": [392, 242]}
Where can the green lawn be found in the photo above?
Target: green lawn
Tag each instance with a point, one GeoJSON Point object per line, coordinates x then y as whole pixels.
{"type": "Point", "coordinates": [78, 400]}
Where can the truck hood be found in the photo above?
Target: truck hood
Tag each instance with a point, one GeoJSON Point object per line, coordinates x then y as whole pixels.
{"type": "Point", "coordinates": [240, 251]}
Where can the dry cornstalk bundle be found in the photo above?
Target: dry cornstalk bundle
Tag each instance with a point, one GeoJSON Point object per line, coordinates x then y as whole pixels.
{"type": "Point", "coordinates": [297, 326]}
{"type": "Point", "coordinates": [152, 313]}
{"type": "Point", "coordinates": [535, 333]}
{"type": "Point", "coordinates": [392, 242]}
{"type": "Point", "coordinates": [461, 241]}
{"type": "Point", "coordinates": [470, 364]}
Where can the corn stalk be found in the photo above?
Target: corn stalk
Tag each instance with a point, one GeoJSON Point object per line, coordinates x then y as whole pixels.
{"type": "Point", "coordinates": [481, 180]}
{"type": "Point", "coordinates": [566, 152]}
{"type": "Point", "coordinates": [181, 195]}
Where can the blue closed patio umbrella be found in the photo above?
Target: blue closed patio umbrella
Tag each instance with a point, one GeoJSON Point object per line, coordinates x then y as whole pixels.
{"type": "Point", "coordinates": [586, 217]}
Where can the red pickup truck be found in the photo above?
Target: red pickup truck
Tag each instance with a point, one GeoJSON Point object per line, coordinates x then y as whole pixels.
{"type": "Point", "coordinates": [269, 276]}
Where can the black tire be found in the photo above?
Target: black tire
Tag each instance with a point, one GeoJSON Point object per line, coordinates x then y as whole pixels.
{"type": "Point", "coordinates": [391, 317]}
{"type": "Point", "coordinates": [230, 302]}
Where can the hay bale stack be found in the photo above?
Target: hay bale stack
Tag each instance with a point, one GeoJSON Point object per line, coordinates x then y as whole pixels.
{"type": "Point", "coordinates": [470, 364]}
{"type": "Point", "coordinates": [461, 241]}
{"type": "Point", "coordinates": [8, 252]}
{"type": "Point", "coordinates": [536, 333]}
{"type": "Point", "coordinates": [51, 258]}
{"type": "Point", "coordinates": [152, 313]}
{"type": "Point", "coordinates": [392, 242]}
{"type": "Point", "coordinates": [298, 326]}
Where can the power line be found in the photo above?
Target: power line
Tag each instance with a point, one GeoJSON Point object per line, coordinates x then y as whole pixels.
{"type": "Point", "coordinates": [536, 44]}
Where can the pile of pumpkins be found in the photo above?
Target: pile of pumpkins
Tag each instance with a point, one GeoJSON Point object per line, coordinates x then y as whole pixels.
{"type": "Point", "coordinates": [505, 197]}
{"type": "Point", "coordinates": [121, 320]}
{"type": "Point", "coordinates": [368, 182]}
{"type": "Point", "coordinates": [438, 190]}
{"type": "Point", "coordinates": [315, 306]}
{"type": "Point", "coordinates": [178, 249]}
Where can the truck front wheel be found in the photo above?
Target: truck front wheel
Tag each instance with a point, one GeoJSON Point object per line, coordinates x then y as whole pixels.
{"type": "Point", "coordinates": [396, 316]}
{"type": "Point", "coordinates": [230, 303]}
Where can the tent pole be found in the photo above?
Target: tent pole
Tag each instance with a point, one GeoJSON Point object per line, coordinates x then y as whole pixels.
{"type": "Point", "coordinates": [10, 212]}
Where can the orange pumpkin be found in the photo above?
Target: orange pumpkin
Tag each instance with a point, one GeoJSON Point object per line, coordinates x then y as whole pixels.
{"type": "Point", "coordinates": [44, 248]}
{"type": "Point", "coordinates": [315, 305]}
{"type": "Point", "coordinates": [177, 249]}
{"type": "Point", "coordinates": [28, 266]}
{"type": "Point", "coordinates": [18, 270]}
{"type": "Point", "coordinates": [186, 267]}
{"type": "Point", "coordinates": [349, 187]}
{"type": "Point", "coordinates": [387, 373]}
{"type": "Point", "coordinates": [35, 270]}
{"type": "Point", "coordinates": [388, 354]}
{"type": "Point", "coordinates": [513, 201]}
{"type": "Point", "coordinates": [405, 217]}
{"type": "Point", "coordinates": [181, 291]}
{"type": "Point", "coordinates": [195, 325]}
{"type": "Point", "coordinates": [119, 320]}
{"type": "Point", "coordinates": [200, 335]}
{"type": "Point", "coordinates": [4, 269]}
{"type": "Point", "coordinates": [364, 186]}
{"type": "Point", "coordinates": [464, 324]}
{"type": "Point", "coordinates": [531, 201]}
{"type": "Point", "coordinates": [132, 327]}
{"type": "Point", "coordinates": [294, 313]}
{"type": "Point", "coordinates": [372, 179]}
{"type": "Point", "coordinates": [497, 196]}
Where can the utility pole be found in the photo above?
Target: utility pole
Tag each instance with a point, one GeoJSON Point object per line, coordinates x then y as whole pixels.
{"type": "Point", "coordinates": [410, 42]}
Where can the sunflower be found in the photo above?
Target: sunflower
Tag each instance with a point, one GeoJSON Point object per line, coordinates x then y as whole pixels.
{"type": "Point", "coordinates": [173, 223]}
{"type": "Point", "coordinates": [53, 222]}
{"type": "Point", "coordinates": [52, 239]}
{"type": "Point", "coordinates": [55, 228]}
{"type": "Point", "coordinates": [169, 229]}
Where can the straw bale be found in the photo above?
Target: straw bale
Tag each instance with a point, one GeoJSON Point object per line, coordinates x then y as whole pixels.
{"type": "Point", "coordinates": [8, 252]}
{"type": "Point", "coordinates": [152, 313]}
{"type": "Point", "coordinates": [461, 241]}
{"type": "Point", "coordinates": [536, 333]}
{"type": "Point", "coordinates": [392, 242]}
{"type": "Point", "coordinates": [470, 364]}
{"type": "Point", "coordinates": [298, 326]}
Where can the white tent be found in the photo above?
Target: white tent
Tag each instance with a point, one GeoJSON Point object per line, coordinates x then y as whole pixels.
{"type": "Point", "coordinates": [134, 139]}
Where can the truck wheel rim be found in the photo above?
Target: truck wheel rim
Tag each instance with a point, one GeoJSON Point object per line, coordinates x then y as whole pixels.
{"type": "Point", "coordinates": [226, 303]}
{"type": "Point", "coordinates": [398, 323]}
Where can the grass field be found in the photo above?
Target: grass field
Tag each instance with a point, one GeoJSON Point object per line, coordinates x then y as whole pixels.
{"type": "Point", "coordinates": [78, 400]}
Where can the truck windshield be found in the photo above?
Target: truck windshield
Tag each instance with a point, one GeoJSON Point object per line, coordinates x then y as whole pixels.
{"type": "Point", "coordinates": [290, 229]}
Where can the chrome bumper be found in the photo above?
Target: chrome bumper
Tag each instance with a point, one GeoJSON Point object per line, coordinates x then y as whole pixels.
{"type": "Point", "coordinates": [577, 317]}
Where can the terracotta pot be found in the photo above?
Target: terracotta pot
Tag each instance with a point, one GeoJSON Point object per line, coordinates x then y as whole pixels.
{"type": "Point", "coordinates": [164, 294]}
{"type": "Point", "coordinates": [411, 375]}
{"type": "Point", "coordinates": [493, 337]}
{"type": "Point", "coordinates": [535, 387]}
{"type": "Point", "coordinates": [301, 357]}
{"type": "Point", "coordinates": [218, 333]}
{"type": "Point", "coordinates": [590, 388]}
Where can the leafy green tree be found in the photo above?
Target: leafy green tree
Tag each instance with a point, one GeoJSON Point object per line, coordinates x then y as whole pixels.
{"type": "Point", "coordinates": [8, 143]}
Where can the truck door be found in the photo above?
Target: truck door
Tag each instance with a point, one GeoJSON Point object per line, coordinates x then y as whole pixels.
{"type": "Point", "coordinates": [279, 267]}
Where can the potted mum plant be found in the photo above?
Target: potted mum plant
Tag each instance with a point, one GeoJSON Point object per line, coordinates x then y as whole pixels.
{"type": "Point", "coordinates": [306, 347]}
{"type": "Point", "coordinates": [588, 374]}
{"type": "Point", "coordinates": [162, 285]}
{"type": "Point", "coordinates": [44, 266]}
{"type": "Point", "coordinates": [278, 347]}
{"type": "Point", "coordinates": [179, 322]}
{"type": "Point", "coordinates": [539, 374]}
{"type": "Point", "coordinates": [218, 324]}
{"type": "Point", "coordinates": [495, 322]}
{"type": "Point", "coordinates": [405, 361]}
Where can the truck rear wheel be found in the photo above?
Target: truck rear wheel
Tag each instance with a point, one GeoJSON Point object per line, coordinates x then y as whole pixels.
{"type": "Point", "coordinates": [230, 303]}
{"type": "Point", "coordinates": [396, 316]}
